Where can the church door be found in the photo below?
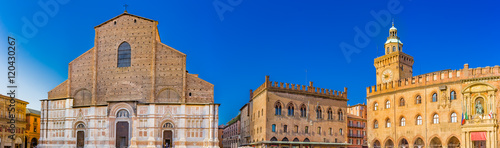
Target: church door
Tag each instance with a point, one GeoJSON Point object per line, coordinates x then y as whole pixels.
{"type": "Point", "coordinates": [122, 135]}
{"type": "Point", "coordinates": [80, 139]}
{"type": "Point", "coordinates": [167, 139]}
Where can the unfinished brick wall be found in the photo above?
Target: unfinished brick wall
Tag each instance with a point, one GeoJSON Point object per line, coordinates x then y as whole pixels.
{"type": "Point", "coordinates": [157, 72]}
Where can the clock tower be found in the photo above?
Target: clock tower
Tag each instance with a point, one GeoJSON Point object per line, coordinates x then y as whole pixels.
{"type": "Point", "coordinates": [395, 64]}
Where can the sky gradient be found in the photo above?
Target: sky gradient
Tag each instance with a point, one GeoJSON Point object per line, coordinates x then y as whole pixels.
{"type": "Point", "coordinates": [292, 41]}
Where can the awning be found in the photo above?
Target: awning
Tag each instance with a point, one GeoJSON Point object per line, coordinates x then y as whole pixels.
{"type": "Point", "coordinates": [478, 136]}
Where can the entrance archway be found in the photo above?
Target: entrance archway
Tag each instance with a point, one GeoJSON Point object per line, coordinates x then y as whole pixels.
{"type": "Point", "coordinates": [436, 143]}
{"type": "Point", "coordinates": [389, 144]}
{"type": "Point", "coordinates": [34, 142]}
{"type": "Point", "coordinates": [376, 144]}
{"type": "Point", "coordinates": [453, 142]}
{"type": "Point", "coordinates": [80, 135]}
{"type": "Point", "coordinates": [122, 134]}
{"type": "Point", "coordinates": [419, 143]}
{"type": "Point", "coordinates": [168, 139]}
{"type": "Point", "coordinates": [403, 143]}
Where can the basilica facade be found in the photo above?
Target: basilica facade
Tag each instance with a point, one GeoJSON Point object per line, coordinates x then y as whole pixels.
{"type": "Point", "coordinates": [130, 90]}
{"type": "Point", "coordinates": [447, 108]}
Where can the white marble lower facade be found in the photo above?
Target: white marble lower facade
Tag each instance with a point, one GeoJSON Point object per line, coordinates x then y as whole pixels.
{"type": "Point", "coordinates": [129, 124]}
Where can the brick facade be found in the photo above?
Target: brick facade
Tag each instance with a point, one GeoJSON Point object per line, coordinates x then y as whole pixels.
{"type": "Point", "coordinates": [154, 96]}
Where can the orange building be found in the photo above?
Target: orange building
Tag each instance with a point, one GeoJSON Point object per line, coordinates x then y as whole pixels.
{"type": "Point", "coordinates": [356, 125]}
{"type": "Point", "coordinates": [32, 131]}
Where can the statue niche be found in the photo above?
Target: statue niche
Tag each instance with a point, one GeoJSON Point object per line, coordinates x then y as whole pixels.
{"type": "Point", "coordinates": [479, 106]}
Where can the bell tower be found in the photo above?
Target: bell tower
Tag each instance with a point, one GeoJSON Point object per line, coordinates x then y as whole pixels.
{"type": "Point", "coordinates": [395, 64]}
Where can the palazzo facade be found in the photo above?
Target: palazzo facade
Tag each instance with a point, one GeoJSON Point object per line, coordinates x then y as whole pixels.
{"type": "Point", "coordinates": [285, 115]}
{"type": "Point", "coordinates": [130, 90]}
{"type": "Point", "coordinates": [447, 108]}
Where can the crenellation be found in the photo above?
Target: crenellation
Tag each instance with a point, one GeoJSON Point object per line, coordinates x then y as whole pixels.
{"type": "Point", "coordinates": [434, 78]}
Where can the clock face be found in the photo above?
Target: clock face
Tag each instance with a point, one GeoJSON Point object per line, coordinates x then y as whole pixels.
{"type": "Point", "coordinates": [387, 76]}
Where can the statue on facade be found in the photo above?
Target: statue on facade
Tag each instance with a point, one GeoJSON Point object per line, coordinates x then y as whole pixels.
{"type": "Point", "coordinates": [479, 108]}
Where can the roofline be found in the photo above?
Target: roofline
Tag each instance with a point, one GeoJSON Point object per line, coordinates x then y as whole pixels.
{"type": "Point", "coordinates": [124, 13]}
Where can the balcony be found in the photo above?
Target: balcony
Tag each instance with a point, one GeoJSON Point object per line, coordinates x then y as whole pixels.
{"type": "Point", "coordinates": [355, 135]}
{"type": "Point", "coordinates": [355, 126]}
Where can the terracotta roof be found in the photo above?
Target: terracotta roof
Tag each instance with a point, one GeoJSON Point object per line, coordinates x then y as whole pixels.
{"type": "Point", "coordinates": [33, 111]}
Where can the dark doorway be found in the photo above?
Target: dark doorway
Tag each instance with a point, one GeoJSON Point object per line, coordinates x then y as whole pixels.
{"type": "Point", "coordinates": [34, 143]}
{"type": "Point", "coordinates": [80, 139]}
{"type": "Point", "coordinates": [167, 139]}
{"type": "Point", "coordinates": [122, 135]}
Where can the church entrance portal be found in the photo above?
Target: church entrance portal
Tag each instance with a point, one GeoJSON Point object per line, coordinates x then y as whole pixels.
{"type": "Point", "coordinates": [122, 135]}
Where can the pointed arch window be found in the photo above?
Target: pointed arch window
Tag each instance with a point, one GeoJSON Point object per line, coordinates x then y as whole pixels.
{"type": "Point", "coordinates": [124, 54]}
{"type": "Point", "coordinates": [403, 121]}
{"type": "Point", "coordinates": [318, 113]}
{"type": "Point", "coordinates": [388, 104]}
{"type": "Point", "coordinates": [434, 97]}
{"type": "Point", "coordinates": [419, 120]}
{"type": "Point", "coordinates": [291, 109]}
{"type": "Point", "coordinates": [341, 115]}
{"type": "Point", "coordinates": [330, 114]}
{"type": "Point", "coordinates": [402, 102]}
{"type": "Point", "coordinates": [453, 95]}
{"type": "Point", "coordinates": [303, 110]}
{"type": "Point", "coordinates": [375, 106]}
{"type": "Point", "coordinates": [387, 123]}
{"type": "Point", "coordinates": [435, 119]}
{"type": "Point", "coordinates": [277, 108]}
{"type": "Point", "coordinates": [453, 117]}
{"type": "Point", "coordinates": [418, 100]}
{"type": "Point", "coordinates": [375, 124]}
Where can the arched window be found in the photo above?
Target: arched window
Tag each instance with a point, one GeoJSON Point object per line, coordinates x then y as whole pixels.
{"type": "Point", "coordinates": [453, 117]}
{"type": "Point", "coordinates": [318, 112]}
{"type": "Point", "coordinates": [273, 128]}
{"type": "Point", "coordinates": [419, 120]}
{"type": "Point", "coordinates": [388, 104]}
{"type": "Point", "coordinates": [303, 110]}
{"type": "Point", "coordinates": [341, 115]}
{"type": "Point", "coordinates": [453, 95]}
{"type": "Point", "coordinates": [285, 128]}
{"type": "Point", "coordinates": [403, 121]}
{"type": "Point", "coordinates": [387, 123]}
{"type": "Point", "coordinates": [306, 129]}
{"type": "Point", "coordinates": [434, 97]}
{"type": "Point", "coordinates": [375, 106]}
{"type": "Point", "coordinates": [290, 109]}
{"type": "Point", "coordinates": [418, 100]}
{"type": "Point", "coordinates": [393, 48]}
{"type": "Point", "coordinates": [435, 119]}
{"type": "Point", "coordinates": [387, 50]}
{"type": "Point", "coordinates": [341, 131]}
{"type": "Point", "coordinates": [375, 124]}
{"type": "Point", "coordinates": [124, 51]}
{"type": "Point", "coordinates": [330, 114]}
{"type": "Point", "coordinates": [402, 102]}
{"type": "Point", "coordinates": [122, 114]}
{"type": "Point", "coordinates": [277, 108]}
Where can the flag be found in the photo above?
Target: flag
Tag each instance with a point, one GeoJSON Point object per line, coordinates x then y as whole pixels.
{"type": "Point", "coordinates": [463, 121]}
{"type": "Point", "coordinates": [491, 114]}
{"type": "Point", "coordinates": [466, 117]}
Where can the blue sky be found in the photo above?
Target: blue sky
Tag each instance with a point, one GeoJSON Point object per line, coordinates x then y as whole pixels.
{"type": "Point", "coordinates": [280, 38]}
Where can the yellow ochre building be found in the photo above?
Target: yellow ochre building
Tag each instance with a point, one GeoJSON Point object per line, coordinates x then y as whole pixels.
{"type": "Point", "coordinates": [448, 108]}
